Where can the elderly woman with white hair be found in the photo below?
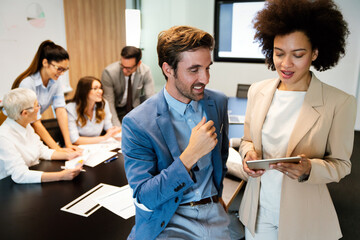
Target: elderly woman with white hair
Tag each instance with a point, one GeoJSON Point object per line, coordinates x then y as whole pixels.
{"type": "Point", "coordinates": [21, 147]}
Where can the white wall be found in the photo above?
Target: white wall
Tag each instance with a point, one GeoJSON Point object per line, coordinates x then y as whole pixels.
{"type": "Point", "coordinates": [159, 15]}
{"type": "Point", "coordinates": [19, 39]}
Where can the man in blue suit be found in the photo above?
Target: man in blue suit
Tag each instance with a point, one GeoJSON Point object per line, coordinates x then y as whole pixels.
{"type": "Point", "coordinates": [176, 144]}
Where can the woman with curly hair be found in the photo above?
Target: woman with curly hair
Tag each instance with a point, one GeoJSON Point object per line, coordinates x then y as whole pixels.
{"type": "Point", "coordinates": [297, 115]}
{"type": "Point", "coordinates": [89, 113]}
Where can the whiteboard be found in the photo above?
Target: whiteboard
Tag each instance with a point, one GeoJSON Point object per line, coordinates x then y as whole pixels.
{"type": "Point", "coordinates": [24, 24]}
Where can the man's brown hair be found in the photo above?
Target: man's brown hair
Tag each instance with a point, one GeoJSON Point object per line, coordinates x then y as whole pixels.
{"type": "Point", "coordinates": [178, 39]}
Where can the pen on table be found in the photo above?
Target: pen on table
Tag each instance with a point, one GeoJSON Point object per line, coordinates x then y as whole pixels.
{"type": "Point", "coordinates": [82, 170]}
{"type": "Point", "coordinates": [111, 159]}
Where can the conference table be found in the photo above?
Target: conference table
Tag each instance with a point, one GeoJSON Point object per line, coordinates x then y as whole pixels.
{"type": "Point", "coordinates": [32, 211]}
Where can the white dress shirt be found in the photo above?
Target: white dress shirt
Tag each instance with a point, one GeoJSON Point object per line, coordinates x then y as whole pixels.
{"type": "Point", "coordinates": [91, 128]}
{"type": "Point", "coordinates": [277, 128]}
{"type": "Point", "coordinates": [21, 148]}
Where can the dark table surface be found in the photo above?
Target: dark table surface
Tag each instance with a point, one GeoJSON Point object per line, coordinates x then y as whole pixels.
{"type": "Point", "coordinates": [32, 211]}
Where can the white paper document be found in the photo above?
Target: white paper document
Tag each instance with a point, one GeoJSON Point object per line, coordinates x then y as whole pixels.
{"type": "Point", "coordinates": [89, 159]}
{"type": "Point", "coordinates": [73, 163]}
{"type": "Point", "coordinates": [116, 199]}
{"type": "Point", "coordinates": [86, 204]}
{"type": "Point", "coordinates": [95, 154]}
{"type": "Point", "coordinates": [97, 158]}
{"type": "Point", "coordinates": [120, 202]}
{"type": "Point", "coordinates": [106, 145]}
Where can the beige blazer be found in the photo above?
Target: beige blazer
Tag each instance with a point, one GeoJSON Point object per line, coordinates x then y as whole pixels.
{"type": "Point", "coordinates": [324, 132]}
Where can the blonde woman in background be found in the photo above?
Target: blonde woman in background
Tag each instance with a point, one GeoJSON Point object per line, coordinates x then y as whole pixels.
{"type": "Point", "coordinates": [21, 148]}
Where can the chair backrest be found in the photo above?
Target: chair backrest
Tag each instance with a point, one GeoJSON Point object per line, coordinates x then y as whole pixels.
{"type": "Point", "coordinates": [242, 90]}
{"type": "Point", "coordinates": [2, 117]}
{"type": "Point", "coordinates": [231, 188]}
{"type": "Point", "coordinates": [54, 130]}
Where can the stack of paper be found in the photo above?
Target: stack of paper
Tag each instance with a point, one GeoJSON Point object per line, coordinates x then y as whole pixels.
{"type": "Point", "coordinates": [116, 199]}
{"type": "Point", "coordinates": [95, 154]}
{"type": "Point", "coordinates": [107, 145]}
{"type": "Point", "coordinates": [119, 201]}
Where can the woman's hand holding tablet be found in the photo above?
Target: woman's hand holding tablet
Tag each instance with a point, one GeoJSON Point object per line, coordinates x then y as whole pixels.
{"type": "Point", "coordinates": [265, 163]}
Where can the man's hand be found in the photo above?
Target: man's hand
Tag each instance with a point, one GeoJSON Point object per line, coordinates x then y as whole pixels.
{"type": "Point", "coordinates": [203, 139]}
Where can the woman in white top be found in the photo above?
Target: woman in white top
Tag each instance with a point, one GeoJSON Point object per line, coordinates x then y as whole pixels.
{"type": "Point", "coordinates": [21, 147]}
{"type": "Point", "coordinates": [297, 115]}
{"type": "Point", "coordinates": [89, 114]}
{"type": "Point", "coordinates": [51, 61]}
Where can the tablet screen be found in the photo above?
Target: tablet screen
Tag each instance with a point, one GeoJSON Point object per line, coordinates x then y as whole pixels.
{"type": "Point", "coordinates": [264, 163]}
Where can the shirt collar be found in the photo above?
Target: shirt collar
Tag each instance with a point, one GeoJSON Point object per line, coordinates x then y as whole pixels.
{"type": "Point", "coordinates": [17, 127]}
{"type": "Point", "coordinates": [178, 106]}
{"type": "Point", "coordinates": [38, 81]}
{"type": "Point", "coordinates": [132, 76]}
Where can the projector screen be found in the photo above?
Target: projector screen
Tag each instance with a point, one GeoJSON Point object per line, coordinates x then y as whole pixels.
{"type": "Point", "coordinates": [234, 34]}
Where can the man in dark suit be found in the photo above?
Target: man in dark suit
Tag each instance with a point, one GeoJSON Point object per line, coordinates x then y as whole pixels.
{"type": "Point", "coordinates": [176, 144]}
{"type": "Point", "coordinates": [118, 76]}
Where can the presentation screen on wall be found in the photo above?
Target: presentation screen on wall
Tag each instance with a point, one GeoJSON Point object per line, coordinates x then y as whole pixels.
{"type": "Point", "coordinates": [234, 33]}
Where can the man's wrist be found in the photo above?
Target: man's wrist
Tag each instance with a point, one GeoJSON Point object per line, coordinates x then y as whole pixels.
{"type": "Point", "coordinates": [187, 159]}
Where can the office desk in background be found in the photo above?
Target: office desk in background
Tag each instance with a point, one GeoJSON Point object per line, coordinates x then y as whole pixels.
{"type": "Point", "coordinates": [236, 106]}
{"type": "Point", "coordinates": [32, 211]}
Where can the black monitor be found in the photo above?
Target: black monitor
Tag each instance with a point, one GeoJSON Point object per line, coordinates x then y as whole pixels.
{"type": "Point", "coordinates": [234, 34]}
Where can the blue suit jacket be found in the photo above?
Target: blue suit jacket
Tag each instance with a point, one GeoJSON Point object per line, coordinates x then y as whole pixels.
{"type": "Point", "coordinates": [152, 164]}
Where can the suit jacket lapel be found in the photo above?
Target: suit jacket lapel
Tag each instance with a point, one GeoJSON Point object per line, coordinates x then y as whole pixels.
{"type": "Point", "coordinates": [209, 106]}
{"type": "Point", "coordinates": [308, 114]}
{"type": "Point", "coordinates": [135, 82]}
{"type": "Point", "coordinates": [210, 109]}
{"type": "Point", "coordinates": [121, 84]}
{"type": "Point", "coordinates": [166, 127]}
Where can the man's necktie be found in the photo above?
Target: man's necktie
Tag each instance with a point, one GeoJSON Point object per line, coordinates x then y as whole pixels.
{"type": "Point", "coordinates": [129, 106]}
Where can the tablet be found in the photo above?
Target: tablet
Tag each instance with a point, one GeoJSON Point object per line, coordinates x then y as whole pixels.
{"type": "Point", "coordinates": [264, 163]}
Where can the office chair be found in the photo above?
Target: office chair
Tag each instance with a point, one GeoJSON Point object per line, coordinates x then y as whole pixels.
{"type": "Point", "coordinates": [242, 90]}
{"type": "Point", "coordinates": [2, 117]}
{"type": "Point", "coordinates": [231, 188]}
{"type": "Point", "coordinates": [232, 195]}
{"type": "Point", "coordinates": [53, 128]}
